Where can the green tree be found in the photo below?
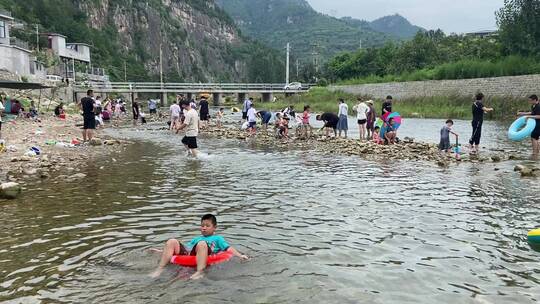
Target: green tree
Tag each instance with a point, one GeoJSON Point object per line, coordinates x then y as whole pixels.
{"type": "Point", "coordinates": [519, 26]}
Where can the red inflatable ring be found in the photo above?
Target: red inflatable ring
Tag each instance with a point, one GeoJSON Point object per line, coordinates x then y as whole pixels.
{"type": "Point", "coordinates": [191, 260]}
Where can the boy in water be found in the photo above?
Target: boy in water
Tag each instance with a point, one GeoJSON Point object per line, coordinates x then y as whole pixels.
{"type": "Point", "coordinates": [444, 144]}
{"type": "Point", "coordinates": [201, 247]}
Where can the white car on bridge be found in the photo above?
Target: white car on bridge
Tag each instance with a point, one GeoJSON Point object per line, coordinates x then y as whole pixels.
{"type": "Point", "coordinates": [293, 86]}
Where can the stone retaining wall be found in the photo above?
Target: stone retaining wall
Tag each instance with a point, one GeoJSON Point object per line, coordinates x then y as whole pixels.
{"type": "Point", "coordinates": [512, 86]}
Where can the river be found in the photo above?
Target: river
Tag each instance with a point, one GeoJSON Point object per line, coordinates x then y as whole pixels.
{"type": "Point", "coordinates": [319, 229]}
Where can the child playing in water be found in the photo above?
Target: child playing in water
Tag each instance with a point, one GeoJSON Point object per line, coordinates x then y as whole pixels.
{"type": "Point", "coordinates": [201, 247]}
{"type": "Point", "coordinates": [390, 134]}
{"type": "Point", "coordinates": [219, 117]}
{"type": "Point", "coordinates": [377, 136]}
{"type": "Point", "coordinates": [444, 144]}
{"type": "Point", "coordinates": [305, 121]}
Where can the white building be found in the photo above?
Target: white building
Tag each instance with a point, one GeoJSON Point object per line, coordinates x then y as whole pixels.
{"type": "Point", "coordinates": [15, 57]}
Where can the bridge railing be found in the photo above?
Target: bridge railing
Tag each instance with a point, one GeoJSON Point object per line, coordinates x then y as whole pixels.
{"type": "Point", "coordinates": [186, 86]}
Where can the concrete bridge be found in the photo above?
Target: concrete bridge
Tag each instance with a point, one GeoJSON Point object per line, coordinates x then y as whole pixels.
{"type": "Point", "coordinates": [217, 90]}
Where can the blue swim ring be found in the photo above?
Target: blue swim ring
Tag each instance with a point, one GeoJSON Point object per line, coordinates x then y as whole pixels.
{"type": "Point", "coordinates": [521, 128]}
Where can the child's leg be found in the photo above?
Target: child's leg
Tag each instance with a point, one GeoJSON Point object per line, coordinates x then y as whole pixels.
{"type": "Point", "coordinates": [171, 248]}
{"type": "Point", "coordinates": [202, 256]}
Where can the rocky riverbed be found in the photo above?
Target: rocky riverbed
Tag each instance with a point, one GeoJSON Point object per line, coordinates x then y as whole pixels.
{"type": "Point", "coordinates": [61, 153]}
{"type": "Point", "coordinates": [406, 150]}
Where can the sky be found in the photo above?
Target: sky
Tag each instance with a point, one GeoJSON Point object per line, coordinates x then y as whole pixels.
{"type": "Point", "coordinates": [452, 16]}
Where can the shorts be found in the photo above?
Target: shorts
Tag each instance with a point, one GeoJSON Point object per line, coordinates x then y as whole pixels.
{"type": "Point", "coordinates": [535, 133]}
{"type": "Point", "coordinates": [153, 111]}
{"type": "Point", "coordinates": [362, 121]}
{"type": "Point", "coordinates": [0, 125]}
{"type": "Point", "coordinates": [135, 116]}
{"type": "Point", "coordinates": [244, 115]}
{"type": "Point", "coordinates": [190, 141]}
{"type": "Point", "coordinates": [193, 251]}
{"type": "Point", "coordinates": [252, 124]}
{"type": "Point", "coordinates": [203, 116]}
{"type": "Point", "coordinates": [444, 144]}
{"type": "Point", "coordinates": [89, 122]}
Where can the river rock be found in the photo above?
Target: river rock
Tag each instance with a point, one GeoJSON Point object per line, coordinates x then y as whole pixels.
{"type": "Point", "coordinates": [95, 142]}
{"type": "Point", "coordinates": [10, 190]}
{"type": "Point", "coordinates": [519, 168]}
{"type": "Point", "coordinates": [527, 172]}
{"type": "Point", "coordinates": [495, 158]}
{"type": "Point", "coordinates": [77, 176]}
{"type": "Point", "coordinates": [30, 171]}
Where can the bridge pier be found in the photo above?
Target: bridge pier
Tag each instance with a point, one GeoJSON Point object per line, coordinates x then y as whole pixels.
{"type": "Point", "coordinates": [163, 99]}
{"type": "Point", "coordinates": [289, 95]}
{"type": "Point", "coordinates": [217, 98]}
{"type": "Point", "coordinates": [241, 97]}
{"type": "Point", "coordinates": [267, 97]}
{"type": "Point", "coordinates": [189, 96]}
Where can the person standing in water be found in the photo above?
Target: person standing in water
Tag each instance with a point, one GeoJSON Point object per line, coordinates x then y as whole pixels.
{"type": "Point", "coordinates": [89, 117]}
{"type": "Point", "coordinates": [534, 114]}
{"type": "Point", "coordinates": [343, 114]}
{"type": "Point", "coordinates": [191, 124]}
{"type": "Point", "coordinates": [204, 112]}
{"type": "Point", "coordinates": [371, 116]}
{"type": "Point", "coordinates": [478, 110]}
{"type": "Point", "coordinates": [136, 111]}
{"type": "Point", "coordinates": [361, 116]}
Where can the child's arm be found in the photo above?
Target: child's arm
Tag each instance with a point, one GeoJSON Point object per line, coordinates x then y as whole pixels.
{"type": "Point", "coordinates": [238, 254]}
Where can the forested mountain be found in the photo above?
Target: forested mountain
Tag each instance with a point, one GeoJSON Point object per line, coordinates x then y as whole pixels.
{"type": "Point", "coordinates": [312, 34]}
{"type": "Point", "coordinates": [396, 26]}
{"type": "Point", "coordinates": [199, 41]}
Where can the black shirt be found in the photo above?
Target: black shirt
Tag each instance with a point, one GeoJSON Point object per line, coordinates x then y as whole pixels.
{"type": "Point", "coordinates": [535, 110]}
{"type": "Point", "coordinates": [87, 106]}
{"type": "Point", "coordinates": [331, 118]}
{"type": "Point", "coordinates": [204, 106]}
{"type": "Point", "coordinates": [478, 111]}
{"type": "Point", "coordinates": [387, 105]}
{"type": "Point", "coordinates": [57, 111]}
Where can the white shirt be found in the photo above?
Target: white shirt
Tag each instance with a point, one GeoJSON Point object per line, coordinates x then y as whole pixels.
{"type": "Point", "coordinates": [175, 110]}
{"type": "Point", "coordinates": [361, 111]}
{"type": "Point", "coordinates": [247, 105]}
{"type": "Point", "coordinates": [252, 114]}
{"type": "Point", "coordinates": [343, 109]}
{"type": "Point", "coordinates": [1, 110]}
{"type": "Point", "coordinates": [192, 122]}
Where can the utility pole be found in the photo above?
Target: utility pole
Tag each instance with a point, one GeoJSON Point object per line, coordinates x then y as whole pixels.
{"type": "Point", "coordinates": [37, 37]}
{"type": "Point", "coordinates": [125, 71]}
{"type": "Point", "coordinates": [297, 69]}
{"type": "Point", "coordinates": [287, 72]}
{"type": "Point", "coordinates": [161, 63]}
{"type": "Point", "coordinates": [360, 43]}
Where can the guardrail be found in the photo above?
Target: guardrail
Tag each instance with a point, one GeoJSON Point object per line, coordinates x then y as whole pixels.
{"type": "Point", "coordinates": [196, 87]}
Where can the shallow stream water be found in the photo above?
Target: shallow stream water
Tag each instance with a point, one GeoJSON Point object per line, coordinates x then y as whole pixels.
{"type": "Point", "coordinates": [319, 229]}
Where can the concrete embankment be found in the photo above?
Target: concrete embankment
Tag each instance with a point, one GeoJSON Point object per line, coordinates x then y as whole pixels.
{"type": "Point", "coordinates": [511, 86]}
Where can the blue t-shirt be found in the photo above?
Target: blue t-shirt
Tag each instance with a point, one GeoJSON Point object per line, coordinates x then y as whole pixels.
{"type": "Point", "coordinates": [216, 243]}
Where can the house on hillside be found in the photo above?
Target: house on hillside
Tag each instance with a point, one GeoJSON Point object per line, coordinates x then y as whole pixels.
{"type": "Point", "coordinates": [72, 54]}
{"type": "Point", "coordinates": [15, 55]}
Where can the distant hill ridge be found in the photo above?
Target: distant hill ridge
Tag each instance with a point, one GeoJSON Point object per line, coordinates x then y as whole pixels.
{"type": "Point", "coordinates": [276, 22]}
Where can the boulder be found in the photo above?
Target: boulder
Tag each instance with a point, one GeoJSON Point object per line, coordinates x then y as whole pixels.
{"type": "Point", "coordinates": [10, 190]}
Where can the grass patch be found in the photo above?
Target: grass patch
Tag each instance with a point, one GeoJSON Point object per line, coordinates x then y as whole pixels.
{"type": "Point", "coordinates": [444, 107]}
